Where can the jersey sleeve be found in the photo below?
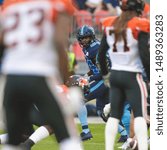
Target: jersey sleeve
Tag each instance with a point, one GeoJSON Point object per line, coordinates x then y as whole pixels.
{"type": "Point", "coordinates": [143, 25]}
{"type": "Point", "coordinates": [143, 45]}
{"type": "Point", "coordinates": [101, 56]}
{"type": "Point", "coordinates": [139, 24]}
{"type": "Point", "coordinates": [108, 22]}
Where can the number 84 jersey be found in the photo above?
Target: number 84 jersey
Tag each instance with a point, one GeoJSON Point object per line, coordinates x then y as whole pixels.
{"type": "Point", "coordinates": [124, 53]}
{"type": "Point", "coordinates": [29, 30]}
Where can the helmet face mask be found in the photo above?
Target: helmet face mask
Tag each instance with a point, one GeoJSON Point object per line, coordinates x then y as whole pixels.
{"type": "Point", "coordinates": [133, 5]}
{"type": "Point", "coordinates": [85, 36]}
{"type": "Point", "coordinates": [85, 41]}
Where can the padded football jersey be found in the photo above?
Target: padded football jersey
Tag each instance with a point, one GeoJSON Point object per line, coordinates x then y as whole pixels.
{"type": "Point", "coordinates": [28, 34]}
{"type": "Point", "coordinates": [124, 54]}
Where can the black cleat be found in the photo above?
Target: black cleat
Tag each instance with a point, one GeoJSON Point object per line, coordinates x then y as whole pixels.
{"type": "Point", "coordinates": [86, 136]}
{"type": "Point", "coordinates": [123, 139]}
{"type": "Point", "coordinates": [27, 144]}
{"type": "Point", "coordinates": [24, 147]}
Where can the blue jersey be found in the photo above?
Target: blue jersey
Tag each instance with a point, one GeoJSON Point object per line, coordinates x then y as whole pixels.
{"type": "Point", "coordinates": [97, 90]}
{"type": "Point", "coordinates": [90, 57]}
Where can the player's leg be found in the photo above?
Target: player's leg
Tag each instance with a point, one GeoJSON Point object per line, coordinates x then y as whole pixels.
{"type": "Point", "coordinates": [3, 138]}
{"type": "Point", "coordinates": [56, 113]}
{"type": "Point", "coordinates": [121, 128]}
{"type": "Point", "coordinates": [38, 135]}
{"type": "Point", "coordinates": [104, 108]}
{"type": "Point", "coordinates": [99, 92]}
{"type": "Point", "coordinates": [126, 144]}
{"type": "Point", "coordinates": [102, 99]}
{"type": "Point", "coordinates": [137, 95]}
{"type": "Point", "coordinates": [124, 125]}
{"type": "Point", "coordinates": [97, 89]}
{"type": "Point", "coordinates": [82, 115]}
{"type": "Point", "coordinates": [37, 120]}
{"type": "Point", "coordinates": [2, 119]}
{"type": "Point", "coordinates": [123, 133]}
{"type": "Point", "coordinates": [16, 110]}
{"type": "Point", "coordinates": [113, 121]}
{"type": "Point", "coordinates": [125, 120]}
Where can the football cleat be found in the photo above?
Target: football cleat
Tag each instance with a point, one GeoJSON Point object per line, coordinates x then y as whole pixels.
{"type": "Point", "coordinates": [123, 138]}
{"type": "Point", "coordinates": [24, 147]}
{"type": "Point", "coordinates": [27, 144]}
{"type": "Point", "coordinates": [86, 136]}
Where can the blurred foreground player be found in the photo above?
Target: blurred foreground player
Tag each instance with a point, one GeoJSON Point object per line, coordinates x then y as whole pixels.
{"type": "Point", "coordinates": [32, 66]}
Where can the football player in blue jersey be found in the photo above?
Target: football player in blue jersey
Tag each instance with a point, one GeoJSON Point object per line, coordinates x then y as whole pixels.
{"type": "Point", "coordinates": [87, 40]}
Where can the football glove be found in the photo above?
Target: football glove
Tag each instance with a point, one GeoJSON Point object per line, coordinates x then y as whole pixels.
{"type": "Point", "coordinates": [84, 84]}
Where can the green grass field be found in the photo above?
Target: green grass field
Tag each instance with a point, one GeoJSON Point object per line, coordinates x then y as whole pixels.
{"type": "Point", "coordinates": [97, 143]}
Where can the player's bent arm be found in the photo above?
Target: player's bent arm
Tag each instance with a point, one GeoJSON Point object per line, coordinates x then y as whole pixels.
{"type": "Point", "coordinates": [101, 57]}
{"type": "Point", "coordinates": [144, 51]}
{"type": "Point", "coordinates": [61, 41]}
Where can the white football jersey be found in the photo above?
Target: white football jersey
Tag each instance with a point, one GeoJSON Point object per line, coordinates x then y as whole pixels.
{"type": "Point", "coordinates": [124, 53]}
{"type": "Point", "coordinates": [28, 34]}
{"type": "Point", "coordinates": [124, 60]}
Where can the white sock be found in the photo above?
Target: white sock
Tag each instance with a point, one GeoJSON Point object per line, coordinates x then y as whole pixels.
{"type": "Point", "coordinates": [140, 128]}
{"type": "Point", "coordinates": [3, 138]}
{"type": "Point", "coordinates": [39, 134]}
{"type": "Point", "coordinates": [71, 144]}
{"type": "Point", "coordinates": [110, 133]}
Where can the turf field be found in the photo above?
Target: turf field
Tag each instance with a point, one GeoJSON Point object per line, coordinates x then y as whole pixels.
{"type": "Point", "coordinates": [97, 143]}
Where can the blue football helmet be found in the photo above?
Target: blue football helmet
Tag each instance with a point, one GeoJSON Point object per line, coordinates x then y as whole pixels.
{"type": "Point", "coordinates": [85, 35]}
